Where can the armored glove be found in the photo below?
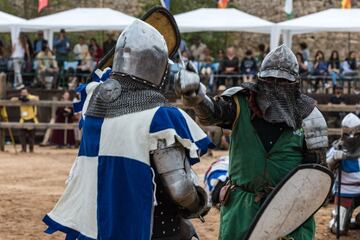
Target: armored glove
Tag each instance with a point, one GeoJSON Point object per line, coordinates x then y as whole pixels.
{"type": "Point", "coordinates": [335, 158]}
{"type": "Point", "coordinates": [187, 85]}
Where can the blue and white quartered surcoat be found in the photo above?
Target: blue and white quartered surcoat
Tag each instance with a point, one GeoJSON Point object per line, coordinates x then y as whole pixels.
{"type": "Point", "coordinates": [110, 189]}
{"type": "Point", "coordinates": [350, 176]}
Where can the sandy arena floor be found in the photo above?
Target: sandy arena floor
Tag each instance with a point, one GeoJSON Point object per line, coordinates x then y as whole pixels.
{"type": "Point", "coordinates": [30, 185]}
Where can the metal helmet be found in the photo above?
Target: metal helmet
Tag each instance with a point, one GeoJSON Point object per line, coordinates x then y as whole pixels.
{"type": "Point", "coordinates": [351, 132]}
{"type": "Point", "coordinates": [141, 52]}
{"type": "Point", "coordinates": [280, 63]}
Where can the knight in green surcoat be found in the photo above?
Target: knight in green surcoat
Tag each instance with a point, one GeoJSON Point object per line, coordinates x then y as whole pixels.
{"type": "Point", "coordinates": [275, 128]}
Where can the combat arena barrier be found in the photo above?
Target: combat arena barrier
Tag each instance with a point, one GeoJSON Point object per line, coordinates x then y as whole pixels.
{"type": "Point", "coordinates": [55, 104]}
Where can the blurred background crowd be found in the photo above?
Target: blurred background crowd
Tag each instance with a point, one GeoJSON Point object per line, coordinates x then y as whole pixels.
{"type": "Point", "coordinates": [31, 63]}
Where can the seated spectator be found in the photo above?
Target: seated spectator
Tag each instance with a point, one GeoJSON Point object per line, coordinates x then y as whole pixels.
{"type": "Point", "coordinates": [185, 57]}
{"type": "Point", "coordinates": [334, 68]}
{"type": "Point", "coordinates": [261, 54]}
{"type": "Point", "coordinates": [248, 67]}
{"type": "Point", "coordinates": [95, 50]}
{"type": "Point", "coordinates": [220, 56]}
{"type": "Point", "coordinates": [109, 43]}
{"type": "Point", "coordinates": [72, 79]}
{"type": "Point", "coordinates": [197, 49]}
{"type": "Point", "coordinates": [320, 70]}
{"type": "Point", "coordinates": [60, 137]}
{"type": "Point", "coordinates": [334, 119]}
{"type": "Point", "coordinates": [303, 65]}
{"type": "Point", "coordinates": [304, 51]}
{"type": "Point", "coordinates": [350, 66]}
{"type": "Point", "coordinates": [3, 59]}
{"type": "Point", "coordinates": [86, 66]}
{"type": "Point", "coordinates": [39, 42]}
{"type": "Point", "coordinates": [206, 71]}
{"type": "Point", "coordinates": [47, 67]}
{"type": "Point", "coordinates": [79, 48]}
{"type": "Point", "coordinates": [229, 66]}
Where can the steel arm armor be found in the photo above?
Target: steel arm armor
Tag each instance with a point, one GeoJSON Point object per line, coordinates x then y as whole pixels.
{"type": "Point", "coordinates": [316, 136]}
{"type": "Point", "coordinates": [220, 111]}
{"type": "Point", "coordinates": [172, 165]}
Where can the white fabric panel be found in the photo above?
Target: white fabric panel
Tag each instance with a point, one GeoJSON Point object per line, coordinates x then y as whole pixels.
{"type": "Point", "coordinates": [81, 19]}
{"type": "Point", "coordinates": [274, 37]}
{"type": "Point", "coordinates": [330, 20]}
{"type": "Point", "coordinates": [287, 38]}
{"type": "Point", "coordinates": [135, 127]}
{"type": "Point", "coordinates": [89, 91]}
{"type": "Point", "coordinates": [217, 19]}
{"type": "Point", "coordinates": [8, 22]}
{"type": "Point", "coordinates": [77, 206]}
{"type": "Point", "coordinates": [171, 137]}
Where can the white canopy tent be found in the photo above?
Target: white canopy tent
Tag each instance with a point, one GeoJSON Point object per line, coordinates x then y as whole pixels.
{"type": "Point", "coordinates": [331, 20]}
{"type": "Point", "coordinates": [79, 19]}
{"type": "Point", "coordinates": [10, 23]}
{"type": "Point", "coordinates": [224, 20]}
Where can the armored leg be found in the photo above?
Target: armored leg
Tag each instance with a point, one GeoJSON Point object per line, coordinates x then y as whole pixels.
{"type": "Point", "coordinates": [346, 209]}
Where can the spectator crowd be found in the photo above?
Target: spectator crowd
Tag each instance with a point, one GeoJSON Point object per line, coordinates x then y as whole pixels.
{"type": "Point", "coordinates": [33, 64]}
{"type": "Point", "coordinates": [319, 74]}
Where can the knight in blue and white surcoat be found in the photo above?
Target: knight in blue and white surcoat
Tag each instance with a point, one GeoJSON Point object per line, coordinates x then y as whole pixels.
{"type": "Point", "coordinates": [345, 154]}
{"type": "Point", "coordinates": [132, 178]}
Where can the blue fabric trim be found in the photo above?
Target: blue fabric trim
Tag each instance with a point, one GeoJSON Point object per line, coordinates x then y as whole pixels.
{"type": "Point", "coordinates": [95, 77]}
{"type": "Point", "coordinates": [81, 89]}
{"type": "Point", "coordinates": [350, 165]}
{"type": "Point", "coordinates": [204, 144]}
{"type": "Point", "coordinates": [90, 141]}
{"type": "Point", "coordinates": [106, 74]}
{"type": "Point", "coordinates": [172, 118]}
{"type": "Point", "coordinates": [214, 175]}
{"type": "Point", "coordinates": [71, 234]}
{"type": "Point", "coordinates": [125, 198]}
{"type": "Point", "coordinates": [81, 122]}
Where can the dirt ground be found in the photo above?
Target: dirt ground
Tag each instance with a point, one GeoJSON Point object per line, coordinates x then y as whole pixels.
{"type": "Point", "coordinates": [30, 185]}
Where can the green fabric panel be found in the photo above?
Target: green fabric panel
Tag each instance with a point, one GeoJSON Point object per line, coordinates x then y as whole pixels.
{"type": "Point", "coordinates": [251, 165]}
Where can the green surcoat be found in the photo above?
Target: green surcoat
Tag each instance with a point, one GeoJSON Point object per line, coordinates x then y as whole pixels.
{"type": "Point", "coordinates": [253, 167]}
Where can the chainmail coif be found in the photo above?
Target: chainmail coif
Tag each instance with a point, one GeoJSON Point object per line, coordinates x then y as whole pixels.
{"type": "Point", "coordinates": [131, 96]}
{"type": "Point", "coordinates": [282, 103]}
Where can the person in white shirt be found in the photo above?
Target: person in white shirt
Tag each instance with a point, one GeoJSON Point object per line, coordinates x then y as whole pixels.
{"type": "Point", "coordinates": [79, 48]}
{"type": "Point", "coordinates": [19, 49]}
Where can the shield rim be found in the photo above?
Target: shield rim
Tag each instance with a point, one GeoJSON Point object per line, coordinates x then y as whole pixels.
{"type": "Point", "coordinates": [281, 184]}
{"type": "Point", "coordinates": [170, 17]}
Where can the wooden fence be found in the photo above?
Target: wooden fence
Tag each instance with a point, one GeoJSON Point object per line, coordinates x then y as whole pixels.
{"type": "Point", "coordinates": [54, 104]}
